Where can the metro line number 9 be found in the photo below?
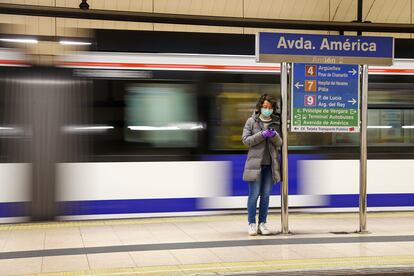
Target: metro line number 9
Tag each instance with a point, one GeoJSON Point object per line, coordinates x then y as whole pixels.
{"type": "Point", "coordinates": [310, 100]}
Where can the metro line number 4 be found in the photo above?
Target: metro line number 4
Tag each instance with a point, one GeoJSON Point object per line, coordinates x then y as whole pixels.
{"type": "Point", "coordinates": [310, 70]}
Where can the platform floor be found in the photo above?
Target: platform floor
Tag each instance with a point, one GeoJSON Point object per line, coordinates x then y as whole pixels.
{"type": "Point", "coordinates": [210, 245]}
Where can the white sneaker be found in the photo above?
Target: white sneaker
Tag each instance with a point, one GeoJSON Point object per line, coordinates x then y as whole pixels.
{"type": "Point", "coordinates": [252, 230]}
{"type": "Point", "coordinates": [263, 230]}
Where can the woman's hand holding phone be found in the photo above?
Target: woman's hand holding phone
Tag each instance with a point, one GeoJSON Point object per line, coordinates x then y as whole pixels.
{"type": "Point", "coordinates": [268, 133]}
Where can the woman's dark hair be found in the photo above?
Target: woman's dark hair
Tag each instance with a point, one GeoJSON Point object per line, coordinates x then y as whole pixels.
{"type": "Point", "coordinates": [271, 99]}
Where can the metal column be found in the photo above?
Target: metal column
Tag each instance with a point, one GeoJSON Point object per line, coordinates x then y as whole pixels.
{"type": "Point", "coordinates": [284, 186]}
{"type": "Point", "coordinates": [359, 14]}
{"type": "Point", "coordinates": [363, 160]}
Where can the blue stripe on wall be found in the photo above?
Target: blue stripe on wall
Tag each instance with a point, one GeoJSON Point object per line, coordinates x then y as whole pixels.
{"type": "Point", "coordinates": [373, 200]}
{"type": "Point", "coordinates": [240, 187]}
{"type": "Point", "coordinates": [127, 206]}
{"type": "Point", "coordinates": [14, 209]}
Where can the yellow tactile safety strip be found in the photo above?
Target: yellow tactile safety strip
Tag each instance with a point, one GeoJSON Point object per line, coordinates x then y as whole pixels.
{"type": "Point", "coordinates": [260, 266]}
{"type": "Point", "coordinates": [109, 222]}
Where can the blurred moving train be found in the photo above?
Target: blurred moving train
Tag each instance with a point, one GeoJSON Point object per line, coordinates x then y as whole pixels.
{"type": "Point", "coordinates": [129, 135]}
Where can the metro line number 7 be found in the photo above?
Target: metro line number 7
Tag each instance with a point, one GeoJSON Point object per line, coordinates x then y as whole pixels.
{"type": "Point", "coordinates": [310, 85]}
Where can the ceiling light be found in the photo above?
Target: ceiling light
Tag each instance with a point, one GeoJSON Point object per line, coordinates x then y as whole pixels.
{"type": "Point", "coordinates": [379, 126]}
{"type": "Point", "coordinates": [175, 126]}
{"type": "Point", "coordinates": [69, 42]}
{"type": "Point", "coordinates": [20, 40]}
{"type": "Point", "coordinates": [153, 128]}
{"type": "Point", "coordinates": [86, 128]}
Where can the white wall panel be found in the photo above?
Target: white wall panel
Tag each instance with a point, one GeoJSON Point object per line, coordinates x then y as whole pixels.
{"type": "Point", "coordinates": [237, 202]}
{"type": "Point", "coordinates": [140, 180]}
{"type": "Point", "coordinates": [15, 182]}
{"type": "Point", "coordinates": [318, 177]}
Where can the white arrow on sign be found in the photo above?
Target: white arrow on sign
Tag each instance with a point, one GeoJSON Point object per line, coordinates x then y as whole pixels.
{"type": "Point", "coordinates": [353, 101]}
{"type": "Point", "coordinates": [297, 85]}
{"type": "Point", "coordinates": [353, 71]}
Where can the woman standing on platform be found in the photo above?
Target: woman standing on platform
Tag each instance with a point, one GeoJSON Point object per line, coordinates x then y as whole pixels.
{"type": "Point", "coordinates": [261, 135]}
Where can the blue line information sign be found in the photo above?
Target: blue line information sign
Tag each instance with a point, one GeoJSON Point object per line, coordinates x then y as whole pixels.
{"type": "Point", "coordinates": [340, 49]}
{"type": "Point", "coordinates": [325, 98]}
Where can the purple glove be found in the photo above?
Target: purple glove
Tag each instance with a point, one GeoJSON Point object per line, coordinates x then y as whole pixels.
{"type": "Point", "coordinates": [268, 133]}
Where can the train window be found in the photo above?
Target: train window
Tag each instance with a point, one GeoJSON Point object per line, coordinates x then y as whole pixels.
{"type": "Point", "coordinates": [235, 103]}
{"type": "Point", "coordinates": [160, 115]}
{"type": "Point", "coordinates": [390, 126]}
{"type": "Point", "coordinates": [385, 127]}
{"type": "Point", "coordinates": [391, 95]}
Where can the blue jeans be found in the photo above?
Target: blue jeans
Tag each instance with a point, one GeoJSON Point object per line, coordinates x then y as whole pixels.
{"type": "Point", "coordinates": [262, 188]}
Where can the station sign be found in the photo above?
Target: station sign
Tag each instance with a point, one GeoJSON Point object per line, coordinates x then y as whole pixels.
{"type": "Point", "coordinates": [332, 49]}
{"type": "Point", "coordinates": [325, 98]}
